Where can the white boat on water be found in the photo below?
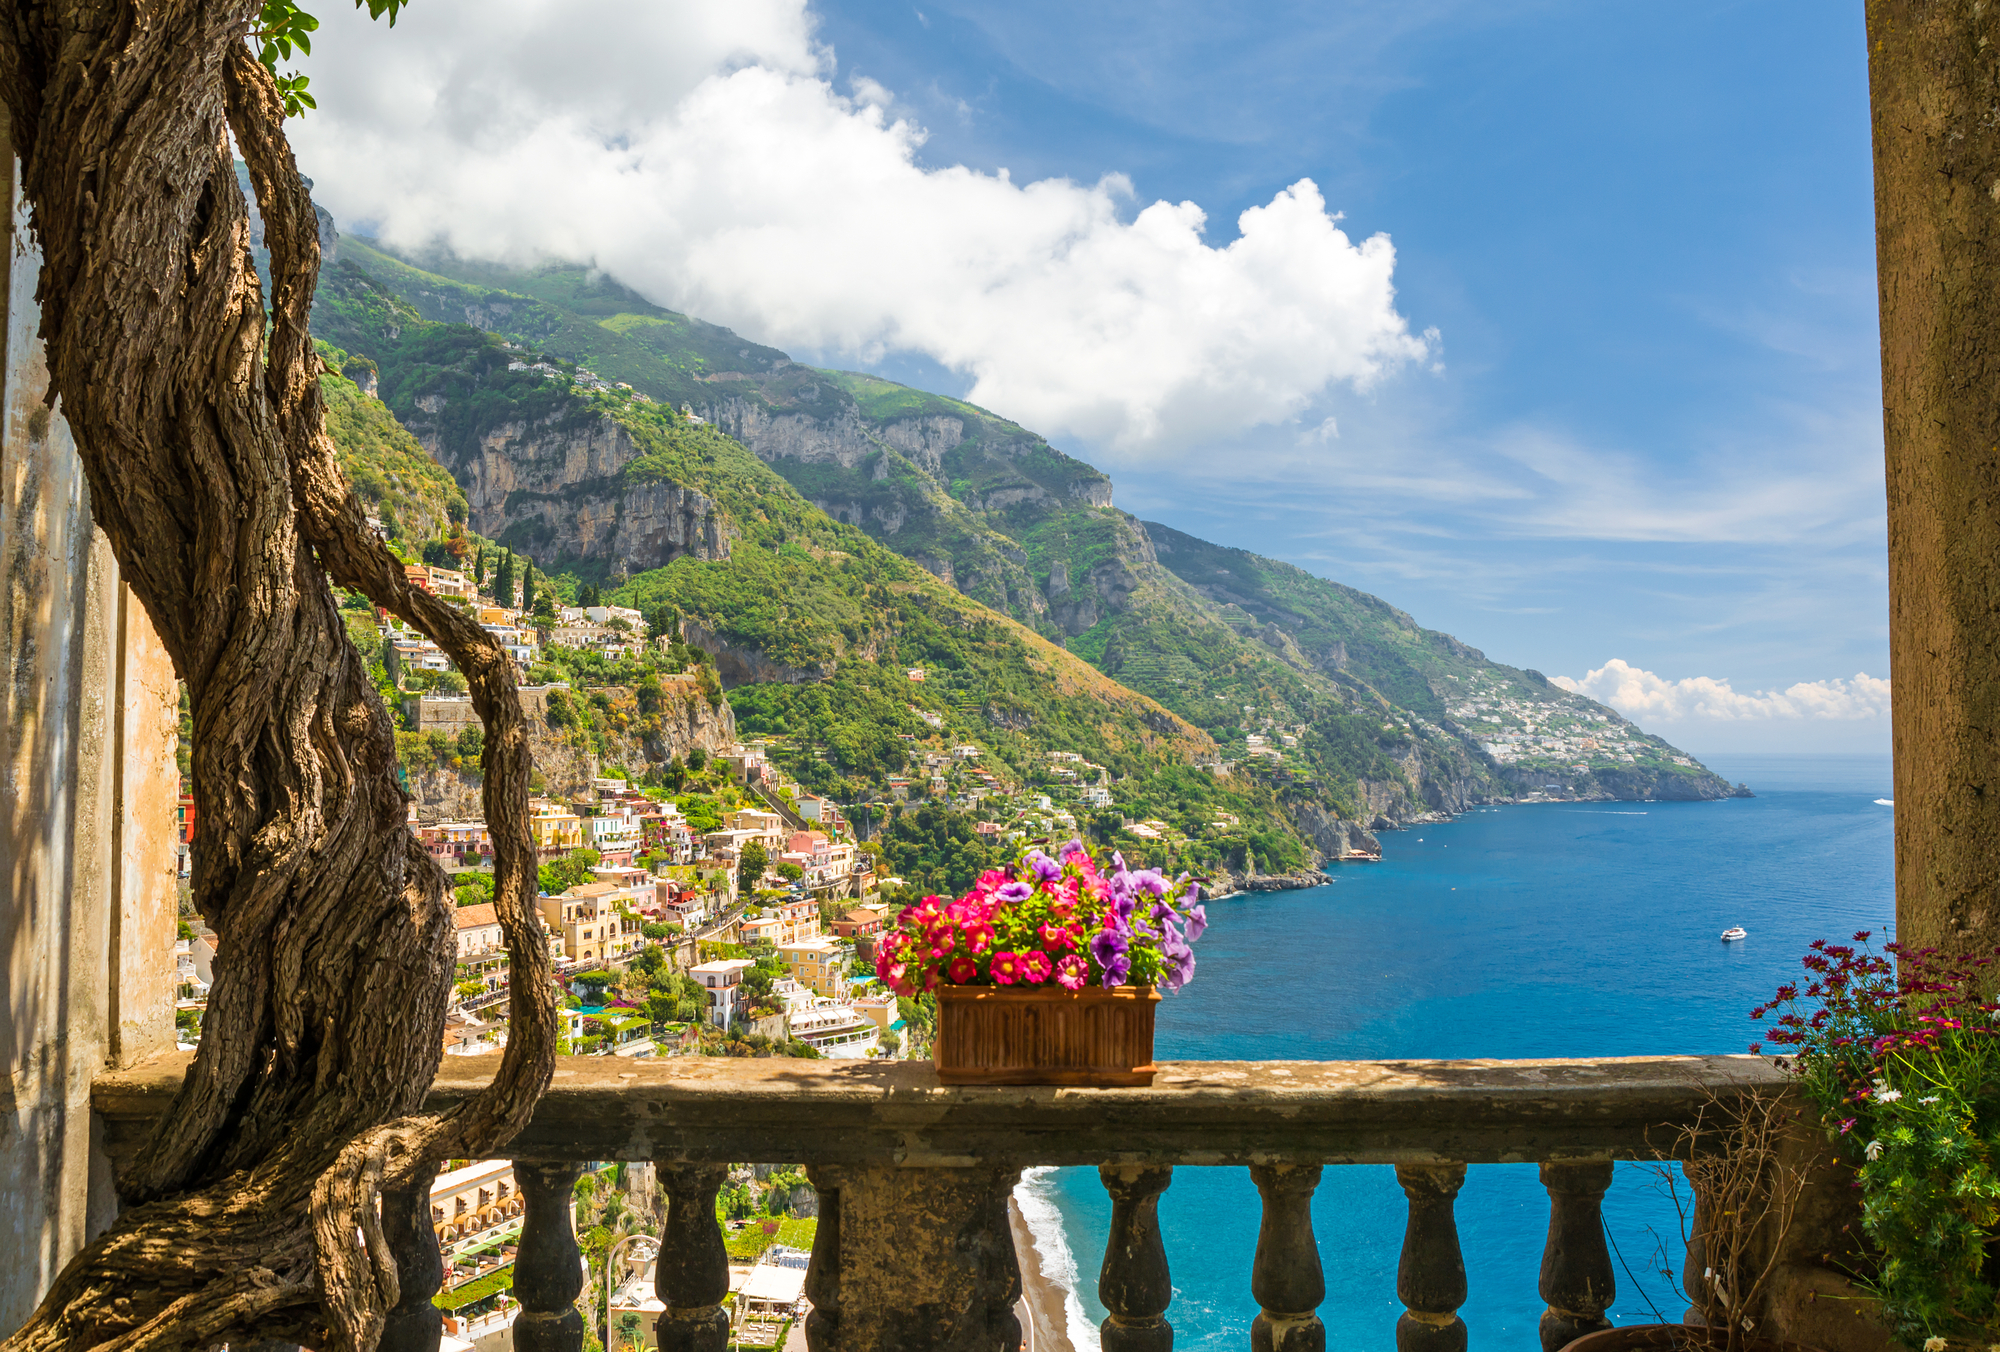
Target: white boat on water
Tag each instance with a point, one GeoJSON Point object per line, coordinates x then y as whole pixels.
{"type": "Point", "coordinates": [1733, 933]}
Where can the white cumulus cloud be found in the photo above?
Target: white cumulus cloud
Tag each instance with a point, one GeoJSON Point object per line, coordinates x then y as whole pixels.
{"type": "Point", "coordinates": [1640, 695]}
{"type": "Point", "coordinates": [705, 155]}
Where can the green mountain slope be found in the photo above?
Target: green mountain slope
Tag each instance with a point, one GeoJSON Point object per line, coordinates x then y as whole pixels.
{"type": "Point", "coordinates": [815, 626]}
{"type": "Point", "coordinates": [1329, 699]}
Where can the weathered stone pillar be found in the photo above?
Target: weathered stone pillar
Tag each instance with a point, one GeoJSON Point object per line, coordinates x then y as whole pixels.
{"type": "Point", "coordinates": [1577, 1280]}
{"type": "Point", "coordinates": [548, 1267]}
{"type": "Point", "coordinates": [1430, 1279]}
{"type": "Point", "coordinates": [88, 903]}
{"type": "Point", "coordinates": [1135, 1284]}
{"type": "Point", "coordinates": [1937, 242]}
{"type": "Point", "coordinates": [414, 1324]}
{"type": "Point", "coordinates": [1285, 1277]}
{"type": "Point", "coordinates": [921, 1260]}
{"type": "Point", "coordinates": [691, 1275]}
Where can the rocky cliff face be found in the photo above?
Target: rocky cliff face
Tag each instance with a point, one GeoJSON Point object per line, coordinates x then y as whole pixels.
{"type": "Point", "coordinates": [566, 759]}
{"type": "Point", "coordinates": [740, 665]}
{"type": "Point", "coordinates": [555, 484]}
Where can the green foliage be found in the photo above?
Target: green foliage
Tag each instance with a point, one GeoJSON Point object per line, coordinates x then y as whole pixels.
{"type": "Point", "coordinates": [572, 870]}
{"type": "Point", "coordinates": [1902, 1058]}
{"type": "Point", "coordinates": [933, 850]}
{"type": "Point", "coordinates": [478, 1289]}
{"type": "Point", "coordinates": [750, 865]}
{"type": "Point", "coordinates": [387, 467]}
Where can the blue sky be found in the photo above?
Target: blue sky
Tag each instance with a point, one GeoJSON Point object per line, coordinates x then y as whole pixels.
{"type": "Point", "coordinates": [1623, 403]}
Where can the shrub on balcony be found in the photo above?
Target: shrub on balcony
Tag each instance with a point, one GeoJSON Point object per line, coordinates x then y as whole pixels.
{"type": "Point", "coordinates": [1900, 1053]}
{"type": "Point", "coordinates": [492, 1284]}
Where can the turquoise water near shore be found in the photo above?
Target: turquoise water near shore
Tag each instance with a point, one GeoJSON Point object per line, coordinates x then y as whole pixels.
{"type": "Point", "coordinates": [1535, 930]}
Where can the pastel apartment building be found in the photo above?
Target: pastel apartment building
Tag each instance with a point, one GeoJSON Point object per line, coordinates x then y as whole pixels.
{"type": "Point", "coordinates": [723, 980]}
{"type": "Point", "coordinates": [591, 920]}
{"type": "Point", "coordinates": [820, 965]}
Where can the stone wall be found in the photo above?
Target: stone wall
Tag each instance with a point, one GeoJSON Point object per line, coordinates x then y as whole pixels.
{"type": "Point", "coordinates": [88, 907]}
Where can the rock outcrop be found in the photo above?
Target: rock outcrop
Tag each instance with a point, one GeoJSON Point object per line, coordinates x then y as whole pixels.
{"type": "Point", "coordinates": [565, 756]}
{"type": "Point", "coordinates": [556, 486]}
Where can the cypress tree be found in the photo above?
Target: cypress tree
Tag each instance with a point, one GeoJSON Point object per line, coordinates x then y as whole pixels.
{"type": "Point", "coordinates": [503, 580]}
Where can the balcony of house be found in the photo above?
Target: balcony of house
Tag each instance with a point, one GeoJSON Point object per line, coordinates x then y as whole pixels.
{"type": "Point", "coordinates": [913, 1247]}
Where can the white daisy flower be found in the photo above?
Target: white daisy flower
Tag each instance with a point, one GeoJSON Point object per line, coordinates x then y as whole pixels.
{"type": "Point", "coordinates": [1874, 1150]}
{"type": "Point", "coordinates": [1934, 1344]}
{"type": "Point", "coordinates": [1889, 1096]}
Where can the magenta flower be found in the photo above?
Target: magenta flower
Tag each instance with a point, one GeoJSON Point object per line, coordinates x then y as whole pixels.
{"type": "Point", "coordinates": [1006, 968]}
{"type": "Point", "coordinates": [977, 937]}
{"type": "Point", "coordinates": [1072, 972]}
{"type": "Point", "coordinates": [1035, 967]}
{"type": "Point", "coordinates": [1055, 938]}
{"type": "Point", "coordinates": [963, 971]}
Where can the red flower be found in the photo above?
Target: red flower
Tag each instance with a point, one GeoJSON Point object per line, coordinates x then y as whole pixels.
{"type": "Point", "coordinates": [963, 971]}
{"type": "Point", "coordinates": [1007, 968]}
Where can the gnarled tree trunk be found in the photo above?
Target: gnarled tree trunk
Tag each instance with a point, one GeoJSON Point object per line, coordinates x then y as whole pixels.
{"type": "Point", "coordinates": [253, 1210]}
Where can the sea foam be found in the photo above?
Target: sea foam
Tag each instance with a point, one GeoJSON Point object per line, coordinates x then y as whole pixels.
{"type": "Point", "coordinates": [1044, 1221]}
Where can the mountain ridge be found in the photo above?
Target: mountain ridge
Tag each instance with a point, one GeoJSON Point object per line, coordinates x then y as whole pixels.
{"type": "Point", "coordinates": [1325, 693]}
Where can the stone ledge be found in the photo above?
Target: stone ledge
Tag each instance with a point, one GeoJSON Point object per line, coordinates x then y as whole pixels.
{"type": "Point", "coordinates": [1196, 1112]}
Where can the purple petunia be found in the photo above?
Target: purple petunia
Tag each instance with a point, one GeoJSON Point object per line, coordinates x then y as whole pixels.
{"type": "Point", "coordinates": [1197, 921]}
{"type": "Point", "coordinates": [1178, 960]}
{"type": "Point", "coordinates": [1109, 948]}
{"type": "Point", "coordinates": [1046, 869]}
{"type": "Point", "coordinates": [1014, 891]}
{"type": "Point", "coordinates": [1075, 846]}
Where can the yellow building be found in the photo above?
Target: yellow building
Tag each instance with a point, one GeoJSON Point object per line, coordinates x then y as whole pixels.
{"type": "Point", "coordinates": [819, 965]}
{"type": "Point", "coordinates": [595, 920]}
{"type": "Point", "coordinates": [557, 830]}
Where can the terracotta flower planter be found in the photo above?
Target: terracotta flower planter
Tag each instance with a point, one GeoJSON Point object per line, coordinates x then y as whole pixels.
{"type": "Point", "coordinates": [1672, 1338]}
{"type": "Point", "coordinates": [1045, 1035]}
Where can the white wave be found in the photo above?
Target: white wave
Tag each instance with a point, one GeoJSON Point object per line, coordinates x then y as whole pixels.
{"type": "Point", "coordinates": [1886, 802]}
{"type": "Point", "coordinates": [1044, 1220]}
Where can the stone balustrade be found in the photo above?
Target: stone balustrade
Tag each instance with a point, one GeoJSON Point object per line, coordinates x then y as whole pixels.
{"type": "Point", "coordinates": [913, 1248]}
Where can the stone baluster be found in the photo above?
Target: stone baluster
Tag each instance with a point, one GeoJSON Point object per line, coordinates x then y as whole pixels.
{"type": "Point", "coordinates": [1285, 1277]}
{"type": "Point", "coordinates": [691, 1276]}
{"type": "Point", "coordinates": [1430, 1279]}
{"type": "Point", "coordinates": [915, 1259]}
{"type": "Point", "coordinates": [823, 1272]}
{"type": "Point", "coordinates": [413, 1324]}
{"type": "Point", "coordinates": [1577, 1281]}
{"type": "Point", "coordinates": [1134, 1284]}
{"type": "Point", "coordinates": [548, 1268]}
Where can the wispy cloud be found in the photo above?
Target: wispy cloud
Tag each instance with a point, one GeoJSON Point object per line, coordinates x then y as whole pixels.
{"type": "Point", "coordinates": [1642, 695]}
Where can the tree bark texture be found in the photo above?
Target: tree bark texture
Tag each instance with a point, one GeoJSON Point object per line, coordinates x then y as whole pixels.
{"type": "Point", "coordinates": [253, 1212]}
{"type": "Point", "coordinates": [1934, 83]}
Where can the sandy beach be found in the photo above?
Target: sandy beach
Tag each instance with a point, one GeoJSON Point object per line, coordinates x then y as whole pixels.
{"type": "Point", "coordinates": [1044, 1324]}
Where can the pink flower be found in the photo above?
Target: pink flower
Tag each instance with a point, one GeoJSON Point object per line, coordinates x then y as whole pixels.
{"type": "Point", "coordinates": [1006, 968]}
{"type": "Point", "coordinates": [992, 880]}
{"type": "Point", "coordinates": [963, 971]}
{"type": "Point", "coordinates": [1072, 972]}
{"type": "Point", "coordinates": [896, 977]}
{"type": "Point", "coordinates": [1055, 938]}
{"type": "Point", "coordinates": [977, 937]}
{"type": "Point", "coordinates": [1035, 967]}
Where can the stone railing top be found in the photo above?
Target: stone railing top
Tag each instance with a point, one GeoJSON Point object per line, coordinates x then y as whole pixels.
{"type": "Point", "coordinates": [1195, 1112]}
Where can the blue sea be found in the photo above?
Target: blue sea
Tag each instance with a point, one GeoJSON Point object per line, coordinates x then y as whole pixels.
{"type": "Point", "coordinates": [1521, 931]}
